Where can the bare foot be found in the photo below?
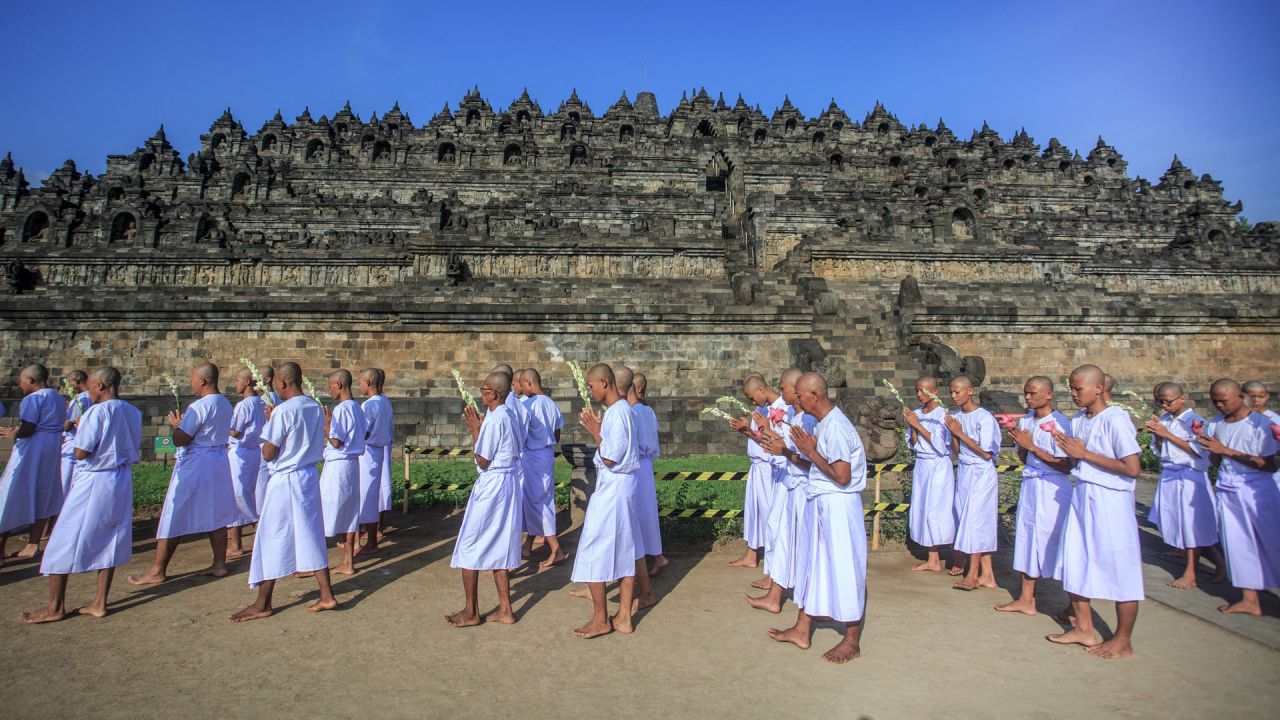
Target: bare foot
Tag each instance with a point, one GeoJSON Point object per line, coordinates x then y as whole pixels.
{"type": "Point", "coordinates": [27, 552]}
{"type": "Point", "coordinates": [659, 564]}
{"type": "Point", "coordinates": [746, 561]}
{"type": "Point", "coordinates": [764, 603]}
{"type": "Point", "coordinates": [956, 571]}
{"type": "Point", "coordinates": [763, 583]}
{"type": "Point", "coordinates": [791, 635]}
{"type": "Point", "coordinates": [553, 561]}
{"type": "Point", "coordinates": [927, 566]}
{"type": "Point", "coordinates": [91, 611]}
{"type": "Point", "coordinates": [621, 624]}
{"type": "Point", "coordinates": [253, 612]}
{"type": "Point", "coordinates": [583, 593]}
{"type": "Point", "coordinates": [592, 629]}
{"type": "Point", "coordinates": [1243, 608]}
{"type": "Point", "coordinates": [843, 652]}
{"type": "Point", "coordinates": [322, 605]}
{"type": "Point", "coordinates": [987, 582]}
{"type": "Point", "coordinates": [966, 585]}
{"type": "Point", "coordinates": [1026, 607]}
{"type": "Point", "coordinates": [150, 578]}
{"type": "Point", "coordinates": [213, 571]}
{"type": "Point", "coordinates": [233, 553]}
{"type": "Point", "coordinates": [1186, 582]}
{"type": "Point", "coordinates": [344, 569]}
{"type": "Point", "coordinates": [506, 617]}
{"type": "Point", "coordinates": [381, 536]}
{"type": "Point", "coordinates": [1113, 649]}
{"type": "Point", "coordinates": [641, 602]}
{"type": "Point", "coordinates": [42, 616]}
{"type": "Point", "coordinates": [1075, 636]}
{"type": "Point", "coordinates": [462, 619]}
{"type": "Point", "coordinates": [366, 550]}
{"type": "Point", "coordinates": [307, 574]}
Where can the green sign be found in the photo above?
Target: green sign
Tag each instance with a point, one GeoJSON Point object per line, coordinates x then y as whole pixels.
{"type": "Point", "coordinates": [164, 446]}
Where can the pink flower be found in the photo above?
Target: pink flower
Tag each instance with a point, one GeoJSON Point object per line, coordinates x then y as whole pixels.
{"type": "Point", "coordinates": [1049, 426]}
{"type": "Point", "coordinates": [1007, 420]}
{"type": "Point", "coordinates": [756, 434]}
{"type": "Point", "coordinates": [776, 415]}
{"type": "Point", "coordinates": [1275, 431]}
{"type": "Point", "coordinates": [1197, 426]}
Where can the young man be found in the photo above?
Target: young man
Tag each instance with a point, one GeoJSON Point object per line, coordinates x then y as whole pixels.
{"type": "Point", "coordinates": [646, 487]}
{"type": "Point", "coordinates": [200, 497]}
{"type": "Point", "coordinates": [787, 513]}
{"type": "Point", "coordinates": [76, 407]}
{"type": "Point", "coordinates": [932, 515]}
{"type": "Point", "coordinates": [489, 538]}
{"type": "Point", "coordinates": [270, 398]}
{"type": "Point", "coordinates": [244, 453]}
{"type": "Point", "coordinates": [31, 487]}
{"type": "Point", "coordinates": [345, 428]}
{"type": "Point", "coordinates": [538, 490]}
{"type": "Point", "coordinates": [290, 535]}
{"type": "Point", "coordinates": [1244, 444]}
{"type": "Point", "coordinates": [624, 380]}
{"type": "Point", "coordinates": [1183, 509]}
{"type": "Point", "coordinates": [1257, 396]}
{"type": "Point", "coordinates": [95, 528]}
{"type": "Point", "coordinates": [1101, 558]}
{"type": "Point", "coordinates": [975, 436]}
{"type": "Point", "coordinates": [832, 543]}
{"type": "Point", "coordinates": [760, 480]}
{"type": "Point", "coordinates": [1045, 494]}
{"type": "Point", "coordinates": [607, 548]}
{"type": "Point", "coordinates": [373, 463]}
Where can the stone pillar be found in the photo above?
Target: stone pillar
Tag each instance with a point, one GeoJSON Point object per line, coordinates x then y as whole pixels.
{"type": "Point", "coordinates": [582, 482]}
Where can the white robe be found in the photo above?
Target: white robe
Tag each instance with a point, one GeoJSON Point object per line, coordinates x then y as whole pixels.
{"type": "Point", "coordinates": [831, 545]}
{"type": "Point", "coordinates": [761, 487]}
{"type": "Point", "coordinates": [538, 478]}
{"type": "Point", "coordinates": [200, 496]}
{"type": "Point", "coordinates": [290, 535]}
{"type": "Point", "coordinates": [244, 455]}
{"type": "Point", "coordinates": [931, 518]}
{"type": "Point", "coordinates": [31, 487]}
{"type": "Point", "coordinates": [489, 538]}
{"type": "Point", "coordinates": [340, 477]}
{"type": "Point", "coordinates": [787, 514]}
{"type": "Point", "coordinates": [1184, 506]}
{"type": "Point", "coordinates": [1043, 501]}
{"type": "Point", "coordinates": [75, 410]}
{"type": "Point", "coordinates": [609, 546]}
{"type": "Point", "coordinates": [95, 528]}
{"type": "Point", "coordinates": [977, 484]}
{"type": "Point", "coordinates": [1101, 556]}
{"type": "Point", "coordinates": [1248, 504]}
{"type": "Point", "coordinates": [375, 463]}
{"type": "Point", "coordinates": [646, 486]}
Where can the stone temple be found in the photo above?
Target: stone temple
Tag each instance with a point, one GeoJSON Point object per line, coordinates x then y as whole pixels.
{"type": "Point", "coordinates": [694, 246]}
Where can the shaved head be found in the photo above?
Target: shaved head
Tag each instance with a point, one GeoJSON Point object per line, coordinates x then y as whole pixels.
{"type": "Point", "coordinates": [504, 368]}
{"type": "Point", "coordinates": [640, 383]}
{"type": "Point", "coordinates": [108, 376]}
{"type": "Point", "coordinates": [245, 375]}
{"type": "Point", "coordinates": [961, 381]}
{"type": "Point", "coordinates": [342, 378]}
{"type": "Point", "coordinates": [268, 373]}
{"type": "Point", "coordinates": [532, 376]}
{"type": "Point", "coordinates": [1108, 382]}
{"type": "Point", "coordinates": [601, 371]}
{"type": "Point", "coordinates": [78, 376]}
{"type": "Point", "coordinates": [622, 376]}
{"type": "Point", "coordinates": [927, 381]}
{"type": "Point", "coordinates": [752, 382]}
{"type": "Point", "coordinates": [207, 372]}
{"type": "Point", "coordinates": [1166, 387]}
{"type": "Point", "coordinates": [1040, 381]}
{"type": "Point", "coordinates": [1254, 386]}
{"type": "Point", "coordinates": [1226, 385]}
{"type": "Point", "coordinates": [814, 383]}
{"type": "Point", "coordinates": [291, 373]}
{"type": "Point", "coordinates": [371, 376]}
{"type": "Point", "coordinates": [1089, 374]}
{"type": "Point", "coordinates": [36, 373]}
{"type": "Point", "coordinates": [500, 383]}
{"type": "Point", "coordinates": [790, 376]}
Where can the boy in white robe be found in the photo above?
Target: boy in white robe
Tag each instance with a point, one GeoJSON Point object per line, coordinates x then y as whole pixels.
{"type": "Point", "coordinates": [975, 437]}
{"type": "Point", "coordinates": [95, 529]}
{"type": "Point", "coordinates": [1101, 558]}
{"type": "Point", "coordinates": [607, 548]}
{"type": "Point", "coordinates": [646, 485]}
{"type": "Point", "coordinates": [76, 407]}
{"type": "Point", "coordinates": [290, 535]}
{"type": "Point", "coordinates": [345, 427]}
{"type": "Point", "coordinates": [538, 489]}
{"type": "Point", "coordinates": [375, 462]}
{"type": "Point", "coordinates": [931, 519]}
{"type": "Point", "coordinates": [1045, 494]}
{"type": "Point", "coordinates": [1256, 396]}
{"type": "Point", "coordinates": [1244, 444]}
{"type": "Point", "coordinates": [244, 454]}
{"type": "Point", "coordinates": [489, 538]}
{"type": "Point", "coordinates": [787, 513]}
{"type": "Point", "coordinates": [1183, 509]}
{"type": "Point", "coordinates": [832, 541]}
{"type": "Point", "coordinates": [200, 497]}
{"type": "Point", "coordinates": [31, 487]}
{"type": "Point", "coordinates": [760, 480]}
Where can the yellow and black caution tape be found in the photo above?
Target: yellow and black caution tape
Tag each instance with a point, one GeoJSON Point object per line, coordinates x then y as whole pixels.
{"type": "Point", "coordinates": [458, 486]}
{"type": "Point", "coordinates": [702, 476]}
{"type": "Point", "coordinates": [437, 452]}
{"type": "Point", "coordinates": [698, 513]}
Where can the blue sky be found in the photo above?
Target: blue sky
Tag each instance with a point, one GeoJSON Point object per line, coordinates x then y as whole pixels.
{"type": "Point", "coordinates": [1200, 79]}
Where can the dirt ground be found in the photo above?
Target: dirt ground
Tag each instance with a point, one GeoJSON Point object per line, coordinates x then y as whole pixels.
{"type": "Point", "coordinates": [929, 651]}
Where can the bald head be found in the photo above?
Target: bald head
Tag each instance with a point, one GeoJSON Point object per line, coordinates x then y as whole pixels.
{"type": "Point", "coordinates": [1091, 374]}
{"type": "Point", "coordinates": [245, 375]}
{"type": "Point", "coordinates": [1225, 385]}
{"type": "Point", "coordinates": [499, 383]}
{"type": "Point", "coordinates": [35, 373]}
{"type": "Point", "coordinates": [1254, 386]}
{"type": "Point", "coordinates": [268, 373]}
{"type": "Point", "coordinates": [1041, 382]}
{"type": "Point", "coordinates": [208, 372]}
{"type": "Point", "coordinates": [811, 389]}
{"type": "Point", "coordinates": [342, 378]}
{"type": "Point", "coordinates": [109, 377]}
{"type": "Point", "coordinates": [533, 378]}
{"type": "Point", "coordinates": [752, 383]}
{"type": "Point", "coordinates": [601, 371]}
{"type": "Point", "coordinates": [622, 377]}
{"type": "Point", "coordinates": [291, 374]}
{"type": "Point", "coordinates": [77, 376]}
{"type": "Point", "coordinates": [927, 382]}
{"type": "Point", "coordinates": [1108, 382]}
{"type": "Point", "coordinates": [640, 384]}
{"type": "Point", "coordinates": [504, 368]}
{"type": "Point", "coordinates": [961, 382]}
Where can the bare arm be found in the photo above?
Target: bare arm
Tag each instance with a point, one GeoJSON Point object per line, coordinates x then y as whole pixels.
{"type": "Point", "coordinates": [269, 452]}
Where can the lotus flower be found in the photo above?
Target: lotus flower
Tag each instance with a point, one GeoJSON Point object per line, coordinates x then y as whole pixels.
{"type": "Point", "coordinates": [1275, 431]}
{"type": "Point", "coordinates": [756, 434]}
{"type": "Point", "coordinates": [1007, 420]}
{"type": "Point", "coordinates": [1049, 426]}
{"type": "Point", "coordinates": [777, 415]}
{"type": "Point", "coordinates": [1197, 426]}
